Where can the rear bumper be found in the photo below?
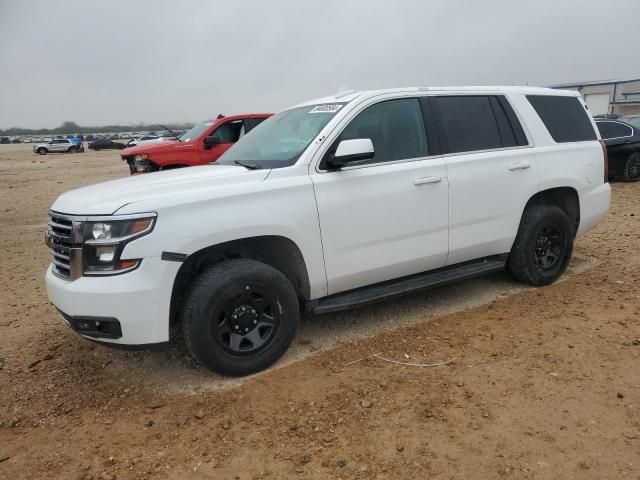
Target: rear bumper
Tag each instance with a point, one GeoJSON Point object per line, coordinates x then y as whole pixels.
{"type": "Point", "coordinates": [594, 205]}
{"type": "Point", "coordinates": [139, 301]}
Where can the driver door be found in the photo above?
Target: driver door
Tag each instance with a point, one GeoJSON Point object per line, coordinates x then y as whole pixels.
{"type": "Point", "coordinates": [226, 135]}
{"type": "Point", "coordinates": [388, 217]}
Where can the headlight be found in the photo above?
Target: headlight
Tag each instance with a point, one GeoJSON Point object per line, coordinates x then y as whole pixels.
{"type": "Point", "coordinates": [104, 241]}
{"type": "Point", "coordinates": [141, 162]}
{"type": "Point", "coordinates": [101, 231]}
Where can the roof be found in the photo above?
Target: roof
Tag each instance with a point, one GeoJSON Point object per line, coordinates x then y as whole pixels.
{"type": "Point", "coordinates": [346, 97]}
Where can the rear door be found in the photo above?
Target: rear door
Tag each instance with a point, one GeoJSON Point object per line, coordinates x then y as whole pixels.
{"type": "Point", "coordinates": [492, 172]}
{"type": "Point", "coordinates": [59, 146]}
{"type": "Point", "coordinates": [620, 141]}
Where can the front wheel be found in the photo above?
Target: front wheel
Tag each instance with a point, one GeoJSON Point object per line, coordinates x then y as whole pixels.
{"type": "Point", "coordinates": [239, 317]}
{"type": "Point", "coordinates": [631, 171]}
{"type": "Point", "coordinates": [543, 245]}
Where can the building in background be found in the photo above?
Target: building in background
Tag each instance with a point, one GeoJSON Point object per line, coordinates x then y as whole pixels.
{"type": "Point", "coordinates": [619, 97]}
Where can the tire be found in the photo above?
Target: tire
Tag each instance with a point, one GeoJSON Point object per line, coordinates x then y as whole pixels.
{"type": "Point", "coordinates": [631, 172]}
{"type": "Point", "coordinates": [42, 151]}
{"type": "Point", "coordinates": [73, 150]}
{"type": "Point", "coordinates": [543, 246]}
{"type": "Point", "coordinates": [243, 296]}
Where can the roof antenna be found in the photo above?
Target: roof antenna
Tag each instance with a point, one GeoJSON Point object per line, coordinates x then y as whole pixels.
{"type": "Point", "coordinates": [343, 91]}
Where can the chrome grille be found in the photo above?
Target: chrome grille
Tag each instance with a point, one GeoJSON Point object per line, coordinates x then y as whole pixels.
{"type": "Point", "coordinates": [60, 240]}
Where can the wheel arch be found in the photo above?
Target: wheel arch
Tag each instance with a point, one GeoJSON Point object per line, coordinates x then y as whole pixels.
{"type": "Point", "coordinates": [279, 252]}
{"type": "Point", "coordinates": [566, 198]}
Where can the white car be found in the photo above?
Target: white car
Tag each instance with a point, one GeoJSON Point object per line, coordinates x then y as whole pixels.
{"type": "Point", "coordinates": [58, 145]}
{"type": "Point", "coordinates": [331, 204]}
{"type": "Point", "coordinates": [148, 139]}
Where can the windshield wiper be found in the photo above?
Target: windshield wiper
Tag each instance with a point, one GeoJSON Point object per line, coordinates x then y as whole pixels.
{"type": "Point", "coordinates": [248, 166]}
{"type": "Point", "coordinates": [175, 135]}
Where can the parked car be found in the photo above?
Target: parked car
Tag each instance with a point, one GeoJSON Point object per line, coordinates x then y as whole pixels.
{"type": "Point", "coordinates": [106, 144]}
{"type": "Point", "coordinates": [623, 147]}
{"type": "Point", "coordinates": [332, 204]}
{"type": "Point", "coordinates": [631, 119]}
{"type": "Point", "coordinates": [58, 145]}
{"type": "Point", "coordinates": [202, 144]}
{"type": "Point", "coordinates": [144, 138]}
{"type": "Point", "coordinates": [5, 140]}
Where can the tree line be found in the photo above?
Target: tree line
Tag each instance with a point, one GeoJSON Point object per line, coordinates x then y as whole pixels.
{"type": "Point", "coordinates": [69, 127]}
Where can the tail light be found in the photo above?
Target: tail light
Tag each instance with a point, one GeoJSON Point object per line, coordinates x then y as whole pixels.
{"type": "Point", "coordinates": [606, 161]}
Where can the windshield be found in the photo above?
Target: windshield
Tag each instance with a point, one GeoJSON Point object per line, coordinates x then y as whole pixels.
{"type": "Point", "coordinates": [635, 120]}
{"type": "Point", "coordinates": [195, 132]}
{"type": "Point", "coordinates": [280, 140]}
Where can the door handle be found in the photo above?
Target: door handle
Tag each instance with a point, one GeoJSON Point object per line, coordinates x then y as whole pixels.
{"type": "Point", "coordinates": [425, 180]}
{"type": "Point", "coordinates": [519, 166]}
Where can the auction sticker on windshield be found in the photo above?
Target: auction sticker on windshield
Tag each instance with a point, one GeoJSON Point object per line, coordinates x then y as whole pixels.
{"type": "Point", "coordinates": [328, 108]}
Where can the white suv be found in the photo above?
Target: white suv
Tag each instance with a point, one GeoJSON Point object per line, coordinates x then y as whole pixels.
{"type": "Point", "coordinates": [328, 205]}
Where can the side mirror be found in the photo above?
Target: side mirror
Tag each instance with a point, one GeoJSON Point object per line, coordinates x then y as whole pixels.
{"type": "Point", "coordinates": [211, 140]}
{"type": "Point", "coordinates": [351, 151]}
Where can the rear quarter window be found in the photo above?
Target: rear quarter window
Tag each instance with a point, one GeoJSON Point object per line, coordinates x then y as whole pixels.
{"type": "Point", "coordinates": [566, 118]}
{"type": "Point", "coordinates": [613, 130]}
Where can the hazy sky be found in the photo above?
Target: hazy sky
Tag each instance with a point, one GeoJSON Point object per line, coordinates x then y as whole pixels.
{"type": "Point", "coordinates": [99, 62]}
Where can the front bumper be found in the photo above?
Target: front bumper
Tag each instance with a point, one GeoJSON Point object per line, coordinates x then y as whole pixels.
{"type": "Point", "coordinates": [139, 301]}
{"type": "Point", "coordinates": [94, 327]}
{"type": "Point", "coordinates": [138, 166]}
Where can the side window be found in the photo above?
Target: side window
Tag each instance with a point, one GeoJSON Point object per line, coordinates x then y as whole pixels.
{"type": "Point", "coordinates": [511, 131]}
{"type": "Point", "coordinates": [613, 130]}
{"type": "Point", "coordinates": [251, 123]}
{"type": "Point", "coordinates": [395, 128]}
{"type": "Point", "coordinates": [230, 132]}
{"type": "Point", "coordinates": [565, 117]}
{"type": "Point", "coordinates": [468, 123]}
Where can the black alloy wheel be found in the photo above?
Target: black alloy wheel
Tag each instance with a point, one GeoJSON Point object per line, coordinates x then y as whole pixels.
{"type": "Point", "coordinates": [246, 320]}
{"type": "Point", "coordinates": [549, 247]}
{"type": "Point", "coordinates": [240, 316]}
{"type": "Point", "coordinates": [543, 246]}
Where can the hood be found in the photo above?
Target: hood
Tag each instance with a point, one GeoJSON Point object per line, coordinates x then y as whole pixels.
{"type": "Point", "coordinates": [107, 197]}
{"type": "Point", "coordinates": [151, 146]}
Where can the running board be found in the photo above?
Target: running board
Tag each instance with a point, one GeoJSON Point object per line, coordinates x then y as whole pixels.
{"type": "Point", "coordinates": [402, 286]}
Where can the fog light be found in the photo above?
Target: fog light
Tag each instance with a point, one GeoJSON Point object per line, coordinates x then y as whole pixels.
{"type": "Point", "coordinates": [106, 254]}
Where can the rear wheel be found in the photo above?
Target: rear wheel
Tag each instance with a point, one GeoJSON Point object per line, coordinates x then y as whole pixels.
{"type": "Point", "coordinates": [631, 172]}
{"type": "Point", "coordinates": [239, 317]}
{"type": "Point", "coordinates": [543, 245]}
{"type": "Point", "coordinates": [73, 150]}
{"type": "Point", "coordinates": [42, 151]}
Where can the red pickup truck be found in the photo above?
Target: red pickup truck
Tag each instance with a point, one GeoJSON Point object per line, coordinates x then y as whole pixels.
{"type": "Point", "coordinates": [201, 145]}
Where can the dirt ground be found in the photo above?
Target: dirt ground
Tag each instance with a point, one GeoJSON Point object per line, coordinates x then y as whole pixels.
{"type": "Point", "coordinates": [545, 383]}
